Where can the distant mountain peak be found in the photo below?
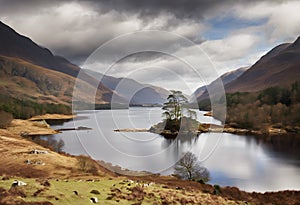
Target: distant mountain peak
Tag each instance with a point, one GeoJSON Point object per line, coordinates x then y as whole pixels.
{"type": "Point", "coordinates": [295, 45]}
{"type": "Point", "coordinates": [297, 41]}
{"type": "Point", "coordinates": [226, 78]}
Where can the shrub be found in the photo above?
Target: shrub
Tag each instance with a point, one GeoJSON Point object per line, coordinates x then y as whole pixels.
{"type": "Point", "coordinates": [217, 189]}
{"type": "Point", "coordinates": [5, 119]}
{"type": "Point", "coordinates": [87, 165]}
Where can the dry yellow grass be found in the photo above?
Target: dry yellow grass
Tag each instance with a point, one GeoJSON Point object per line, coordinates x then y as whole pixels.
{"type": "Point", "coordinates": [15, 152]}
{"type": "Point", "coordinates": [35, 85]}
{"type": "Point", "coordinates": [52, 117]}
{"type": "Point", "coordinates": [19, 127]}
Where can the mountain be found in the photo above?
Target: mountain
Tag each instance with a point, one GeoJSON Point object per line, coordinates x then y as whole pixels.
{"type": "Point", "coordinates": [279, 67]}
{"type": "Point", "coordinates": [29, 72]}
{"type": "Point", "coordinates": [134, 92]}
{"type": "Point", "coordinates": [202, 93]}
{"type": "Point", "coordinates": [18, 46]}
{"type": "Point", "coordinates": [29, 82]}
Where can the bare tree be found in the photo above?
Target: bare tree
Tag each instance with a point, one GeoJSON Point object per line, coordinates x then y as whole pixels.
{"type": "Point", "coordinates": [189, 168]}
{"type": "Point", "coordinates": [60, 145]}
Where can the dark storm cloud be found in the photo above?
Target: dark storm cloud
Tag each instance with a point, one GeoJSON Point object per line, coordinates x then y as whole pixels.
{"type": "Point", "coordinates": [75, 35]}
{"type": "Point", "coordinates": [74, 29]}
{"type": "Point", "coordinates": [16, 6]}
{"type": "Point", "coordinates": [180, 8]}
{"type": "Point", "coordinates": [146, 8]}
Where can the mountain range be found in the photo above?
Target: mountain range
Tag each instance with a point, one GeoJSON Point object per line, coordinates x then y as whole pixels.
{"type": "Point", "coordinates": [32, 73]}
{"type": "Point", "coordinates": [278, 67]}
{"type": "Point", "coordinates": [132, 91]}
{"type": "Point", "coordinates": [202, 93]}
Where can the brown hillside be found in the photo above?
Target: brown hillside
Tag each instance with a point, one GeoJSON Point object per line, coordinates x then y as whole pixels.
{"type": "Point", "coordinates": [23, 58]}
{"type": "Point", "coordinates": [279, 67]}
{"type": "Point", "coordinates": [15, 151]}
{"type": "Point", "coordinates": [15, 45]}
{"type": "Point", "coordinates": [23, 80]}
{"type": "Point", "coordinates": [202, 92]}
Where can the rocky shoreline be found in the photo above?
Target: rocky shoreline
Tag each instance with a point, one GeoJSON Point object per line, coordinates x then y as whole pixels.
{"type": "Point", "coordinates": [205, 127]}
{"type": "Point", "coordinates": [39, 125]}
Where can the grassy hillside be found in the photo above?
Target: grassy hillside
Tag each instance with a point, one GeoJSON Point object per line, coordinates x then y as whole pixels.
{"type": "Point", "coordinates": [111, 191]}
{"type": "Point", "coordinates": [28, 89]}
{"type": "Point", "coordinates": [279, 67]}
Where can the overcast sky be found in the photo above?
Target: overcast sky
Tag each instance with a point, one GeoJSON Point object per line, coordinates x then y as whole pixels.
{"type": "Point", "coordinates": [230, 34]}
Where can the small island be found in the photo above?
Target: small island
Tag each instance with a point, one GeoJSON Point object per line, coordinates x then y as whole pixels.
{"type": "Point", "coordinates": [179, 119]}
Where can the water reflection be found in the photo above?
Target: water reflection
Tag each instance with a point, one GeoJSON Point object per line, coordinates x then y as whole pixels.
{"type": "Point", "coordinates": [250, 163]}
{"type": "Point", "coordinates": [287, 145]}
{"type": "Point", "coordinates": [182, 139]}
{"type": "Point", "coordinates": [49, 141]}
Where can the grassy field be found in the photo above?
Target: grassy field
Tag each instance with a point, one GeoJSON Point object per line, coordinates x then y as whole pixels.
{"type": "Point", "coordinates": [62, 191]}
{"type": "Point", "coordinates": [111, 191]}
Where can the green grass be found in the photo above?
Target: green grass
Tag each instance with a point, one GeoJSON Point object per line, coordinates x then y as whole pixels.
{"type": "Point", "coordinates": [62, 192]}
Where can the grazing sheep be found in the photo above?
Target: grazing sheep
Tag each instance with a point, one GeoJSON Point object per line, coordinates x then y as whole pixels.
{"type": "Point", "coordinates": [38, 151]}
{"type": "Point", "coordinates": [28, 161]}
{"type": "Point", "coordinates": [18, 183]}
{"type": "Point", "coordinates": [94, 200]}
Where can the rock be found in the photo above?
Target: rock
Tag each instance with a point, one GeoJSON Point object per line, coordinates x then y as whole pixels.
{"type": "Point", "coordinates": [95, 192]}
{"type": "Point", "coordinates": [210, 114]}
{"type": "Point", "coordinates": [276, 131]}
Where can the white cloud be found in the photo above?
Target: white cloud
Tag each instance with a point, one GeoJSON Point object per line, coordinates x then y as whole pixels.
{"type": "Point", "coordinates": [75, 29]}
{"type": "Point", "coordinates": [283, 19]}
{"type": "Point", "coordinates": [72, 28]}
{"type": "Point", "coordinates": [230, 48]}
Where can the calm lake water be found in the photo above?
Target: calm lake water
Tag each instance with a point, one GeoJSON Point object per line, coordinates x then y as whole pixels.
{"type": "Point", "coordinates": [232, 160]}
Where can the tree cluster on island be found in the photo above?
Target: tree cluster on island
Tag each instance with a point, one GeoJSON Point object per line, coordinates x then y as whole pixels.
{"type": "Point", "coordinates": [178, 117]}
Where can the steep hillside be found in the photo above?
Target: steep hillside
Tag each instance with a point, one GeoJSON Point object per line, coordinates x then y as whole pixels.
{"type": "Point", "coordinates": [201, 93]}
{"type": "Point", "coordinates": [15, 45]}
{"type": "Point", "coordinates": [133, 91]}
{"type": "Point", "coordinates": [30, 73]}
{"type": "Point", "coordinates": [24, 86]}
{"type": "Point", "coordinates": [279, 67]}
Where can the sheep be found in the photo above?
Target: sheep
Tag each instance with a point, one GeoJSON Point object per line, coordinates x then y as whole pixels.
{"type": "Point", "coordinates": [18, 183]}
{"type": "Point", "coordinates": [94, 200]}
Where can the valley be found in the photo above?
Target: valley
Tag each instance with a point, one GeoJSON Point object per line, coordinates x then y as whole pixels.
{"type": "Point", "coordinates": [105, 102]}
